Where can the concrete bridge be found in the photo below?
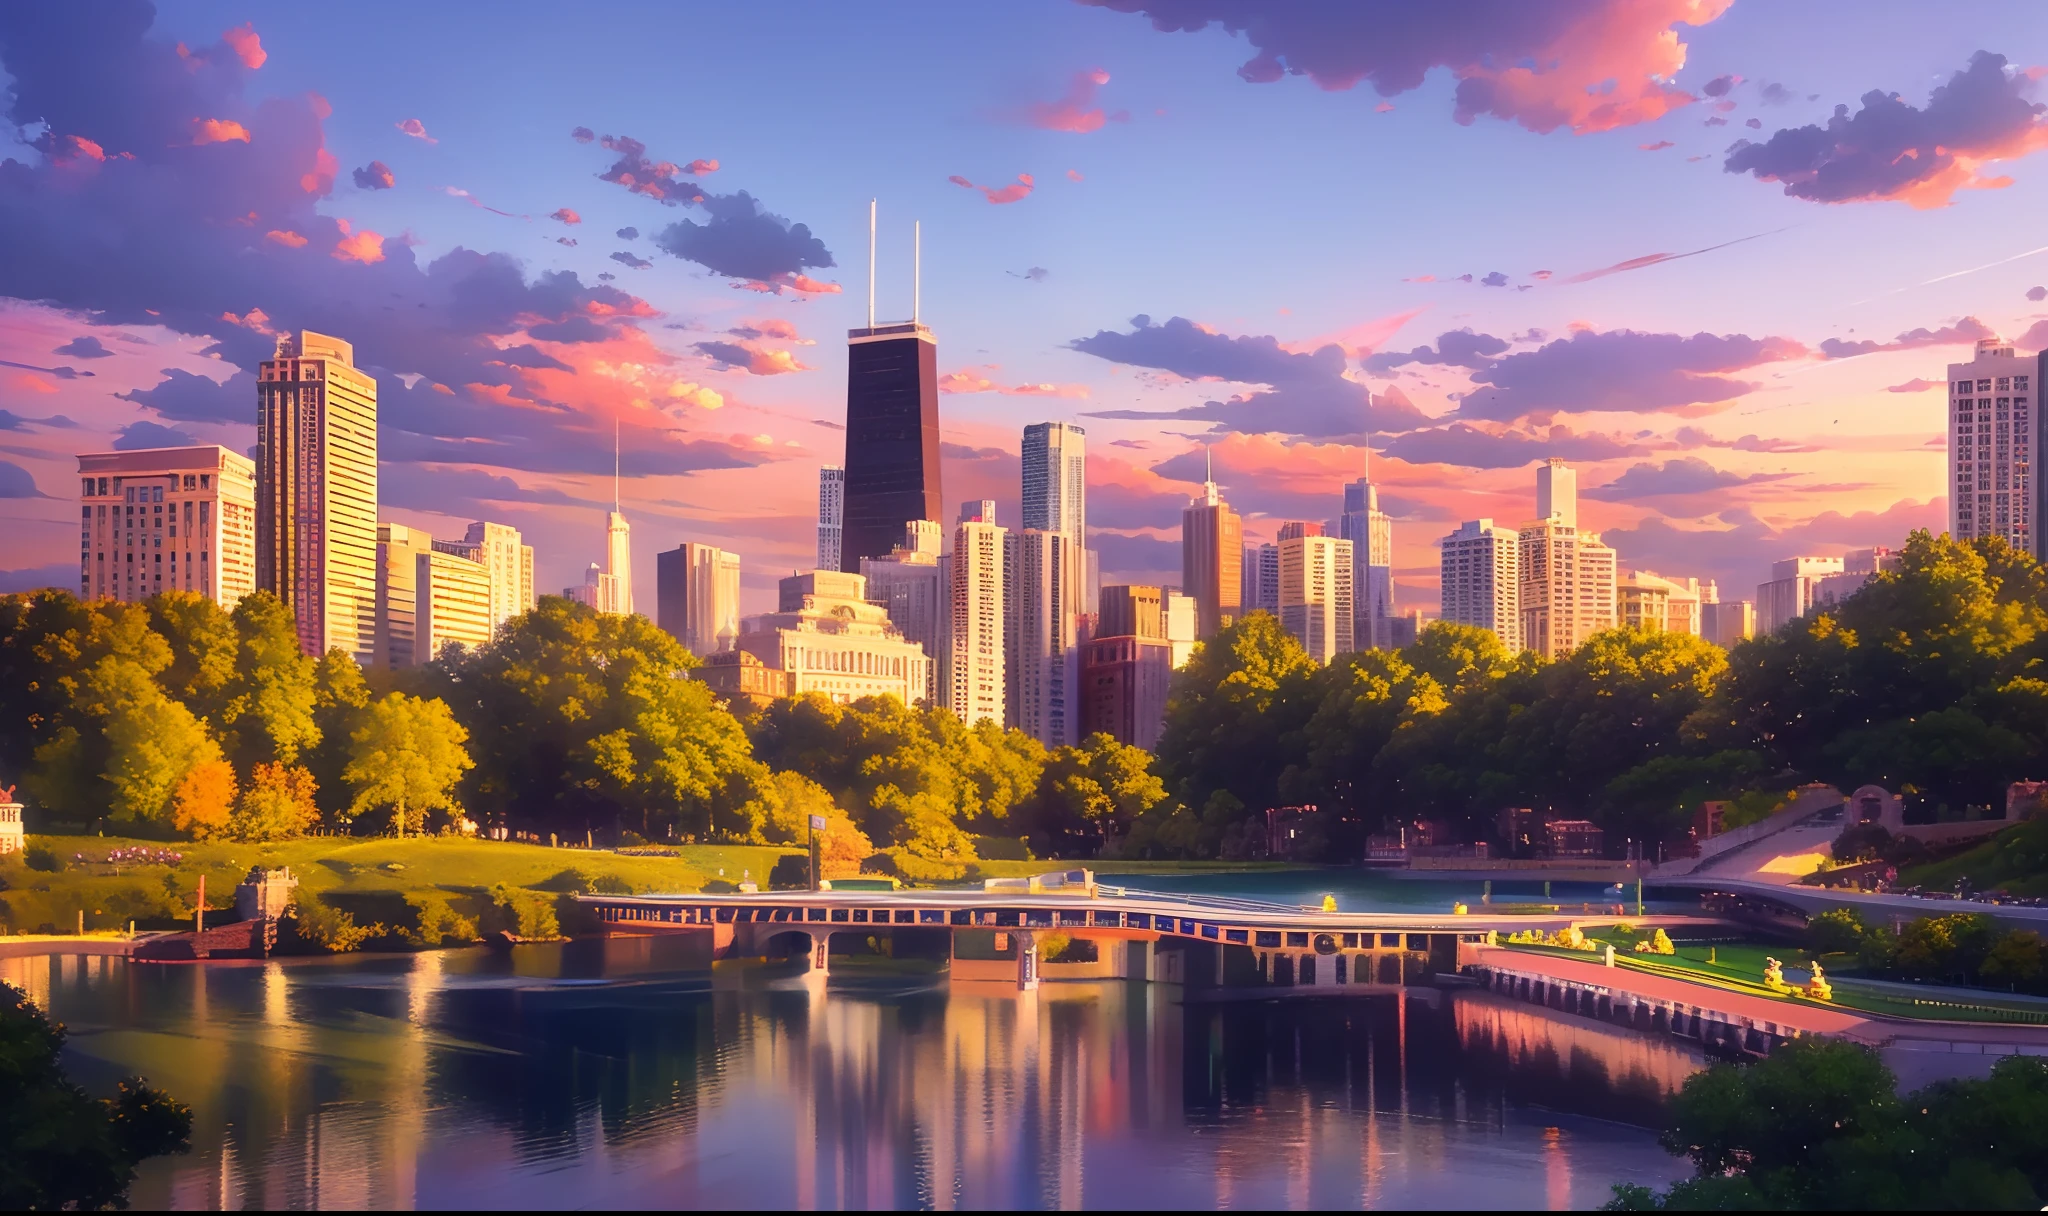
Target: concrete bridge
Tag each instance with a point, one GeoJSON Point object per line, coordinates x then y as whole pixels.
{"type": "Point", "coordinates": [1002, 933]}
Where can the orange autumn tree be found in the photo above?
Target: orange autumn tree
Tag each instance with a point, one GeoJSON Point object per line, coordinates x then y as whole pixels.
{"type": "Point", "coordinates": [205, 799]}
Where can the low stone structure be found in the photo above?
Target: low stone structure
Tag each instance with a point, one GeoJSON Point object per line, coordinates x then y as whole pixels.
{"type": "Point", "coordinates": [12, 838]}
{"type": "Point", "coordinates": [265, 894]}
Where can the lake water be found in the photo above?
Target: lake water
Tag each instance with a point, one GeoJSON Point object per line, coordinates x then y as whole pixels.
{"type": "Point", "coordinates": [590, 1075]}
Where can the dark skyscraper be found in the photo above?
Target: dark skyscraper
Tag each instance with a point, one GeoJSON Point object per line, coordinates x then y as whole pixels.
{"type": "Point", "coordinates": [892, 437]}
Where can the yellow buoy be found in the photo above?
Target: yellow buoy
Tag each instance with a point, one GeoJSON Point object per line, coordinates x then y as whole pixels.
{"type": "Point", "coordinates": [1459, 909]}
{"type": "Point", "coordinates": [1329, 903]}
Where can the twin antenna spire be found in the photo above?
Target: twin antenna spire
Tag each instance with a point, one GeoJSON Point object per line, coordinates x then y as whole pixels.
{"type": "Point", "coordinates": [916, 267]}
{"type": "Point", "coordinates": [615, 464]}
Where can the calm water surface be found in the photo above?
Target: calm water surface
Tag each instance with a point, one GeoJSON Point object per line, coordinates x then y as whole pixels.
{"type": "Point", "coordinates": [592, 1075]}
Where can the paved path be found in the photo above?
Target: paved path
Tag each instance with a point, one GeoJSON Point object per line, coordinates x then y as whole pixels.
{"type": "Point", "coordinates": [1880, 907]}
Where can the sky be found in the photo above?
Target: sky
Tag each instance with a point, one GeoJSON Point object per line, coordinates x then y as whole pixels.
{"type": "Point", "coordinates": [1717, 253]}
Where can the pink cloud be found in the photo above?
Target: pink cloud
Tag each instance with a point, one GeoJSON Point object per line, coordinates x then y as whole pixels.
{"type": "Point", "coordinates": [218, 131]}
{"type": "Point", "coordinates": [246, 45]}
{"type": "Point", "coordinates": [1006, 194]}
{"type": "Point", "coordinates": [474, 201]}
{"type": "Point", "coordinates": [971, 381]}
{"type": "Point", "coordinates": [751, 357]}
{"type": "Point", "coordinates": [285, 237]}
{"type": "Point", "coordinates": [1075, 111]}
{"type": "Point", "coordinates": [1914, 386]}
{"type": "Point", "coordinates": [1075, 175]}
{"type": "Point", "coordinates": [255, 320]}
{"type": "Point", "coordinates": [417, 129]}
{"type": "Point", "coordinates": [698, 168]}
{"type": "Point", "coordinates": [1659, 146]}
{"type": "Point", "coordinates": [566, 216]}
{"type": "Point", "coordinates": [365, 246]}
{"type": "Point", "coordinates": [77, 147]}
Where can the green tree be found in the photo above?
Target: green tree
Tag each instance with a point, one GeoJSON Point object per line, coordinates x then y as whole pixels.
{"type": "Point", "coordinates": [340, 695]}
{"type": "Point", "coordinates": [1837, 931]}
{"type": "Point", "coordinates": [269, 714]}
{"type": "Point", "coordinates": [407, 755]}
{"type": "Point", "coordinates": [1090, 796]}
{"type": "Point", "coordinates": [583, 721]}
{"type": "Point", "coordinates": [64, 1148]}
{"type": "Point", "coordinates": [204, 647]}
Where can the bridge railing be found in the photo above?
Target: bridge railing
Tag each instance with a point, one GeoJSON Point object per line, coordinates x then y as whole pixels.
{"type": "Point", "coordinates": [1222, 903]}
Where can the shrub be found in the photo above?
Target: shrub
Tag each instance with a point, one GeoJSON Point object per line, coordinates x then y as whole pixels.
{"type": "Point", "coordinates": [1836, 931]}
{"type": "Point", "coordinates": [42, 857]}
{"type": "Point", "coordinates": [2016, 959]}
{"type": "Point", "coordinates": [1861, 842]}
{"type": "Point", "coordinates": [332, 929]}
{"type": "Point", "coordinates": [278, 805]}
{"type": "Point", "coordinates": [609, 884]}
{"type": "Point", "coordinates": [523, 914]}
{"type": "Point", "coordinates": [437, 923]}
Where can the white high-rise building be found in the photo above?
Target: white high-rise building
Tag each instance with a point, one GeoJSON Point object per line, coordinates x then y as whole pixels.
{"type": "Point", "coordinates": [1992, 445]}
{"type": "Point", "coordinates": [1315, 594]}
{"type": "Point", "coordinates": [1568, 576]}
{"type": "Point", "coordinates": [1371, 534]}
{"type": "Point", "coordinates": [1557, 492]}
{"type": "Point", "coordinates": [910, 584]}
{"type": "Point", "coordinates": [1056, 479]}
{"type": "Point", "coordinates": [167, 519]}
{"type": "Point", "coordinates": [973, 676]}
{"type": "Point", "coordinates": [1793, 590]}
{"type": "Point", "coordinates": [697, 597]}
{"type": "Point", "coordinates": [1041, 634]}
{"type": "Point", "coordinates": [506, 559]}
{"type": "Point", "coordinates": [1481, 569]}
{"type": "Point", "coordinates": [831, 515]}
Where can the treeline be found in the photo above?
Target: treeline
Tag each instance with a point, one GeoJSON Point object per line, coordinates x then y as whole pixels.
{"type": "Point", "coordinates": [175, 716]}
{"type": "Point", "coordinates": [1928, 681]}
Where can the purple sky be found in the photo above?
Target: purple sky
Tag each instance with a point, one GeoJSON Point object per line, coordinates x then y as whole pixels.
{"type": "Point", "coordinates": [1716, 253]}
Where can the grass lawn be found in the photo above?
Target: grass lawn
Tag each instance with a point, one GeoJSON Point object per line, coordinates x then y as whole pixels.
{"type": "Point", "coordinates": [1739, 967]}
{"type": "Point", "coordinates": [371, 876]}
{"type": "Point", "coordinates": [369, 868]}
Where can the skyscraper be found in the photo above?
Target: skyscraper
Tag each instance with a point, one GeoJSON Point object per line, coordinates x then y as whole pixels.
{"type": "Point", "coordinates": [1261, 579]}
{"type": "Point", "coordinates": [892, 427]}
{"type": "Point", "coordinates": [697, 597]}
{"type": "Point", "coordinates": [973, 679]}
{"type": "Point", "coordinates": [1371, 534]}
{"type": "Point", "coordinates": [1481, 570]}
{"type": "Point", "coordinates": [1568, 576]}
{"type": "Point", "coordinates": [1992, 450]}
{"type": "Point", "coordinates": [507, 559]}
{"type": "Point", "coordinates": [316, 492]}
{"type": "Point", "coordinates": [1056, 479]}
{"type": "Point", "coordinates": [831, 515]}
{"type": "Point", "coordinates": [1211, 557]}
{"type": "Point", "coordinates": [1315, 593]}
{"type": "Point", "coordinates": [167, 519]}
{"type": "Point", "coordinates": [1041, 629]}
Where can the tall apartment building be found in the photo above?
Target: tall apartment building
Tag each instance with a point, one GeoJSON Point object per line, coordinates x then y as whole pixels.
{"type": "Point", "coordinates": [167, 519]}
{"type": "Point", "coordinates": [910, 585]}
{"type": "Point", "coordinates": [973, 678]}
{"type": "Point", "coordinates": [1859, 566]}
{"type": "Point", "coordinates": [1182, 626]}
{"type": "Point", "coordinates": [1315, 593]}
{"type": "Point", "coordinates": [1124, 681]}
{"type": "Point", "coordinates": [1993, 446]}
{"type": "Point", "coordinates": [507, 559]}
{"type": "Point", "coordinates": [1261, 579]}
{"type": "Point", "coordinates": [892, 437]}
{"type": "Point", "coordinates": [1131, 612]}
{"type": "Point", "coordinates": [1793, 590]}
{"type": "Point", "coordinates": [1481, 579]}
{"type": "Point", "coordinates": [697, 597]}
{"type": "Point", "coordinates": [1041, 630]}
{"type": "Point", "coordinates": [1371, 534]}
{"type": "Point", "coordinates": [1211, 558]}
{"type": "Point", "coordinates": [316, 491]}
{"type": "Point", "coordinates": [615, 592]}
{"type": "Point", "coordinates": [427, 599]}
{"type": "Point", "coordinates": [831, 515]}
{"type": "Point", "coordinates": [828, 639]}
{"type": "Point", "coordinates": [1568, 575]}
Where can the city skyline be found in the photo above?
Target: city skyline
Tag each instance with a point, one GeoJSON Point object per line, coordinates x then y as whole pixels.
{"type": "Point", "coordinates": [1709, 419]}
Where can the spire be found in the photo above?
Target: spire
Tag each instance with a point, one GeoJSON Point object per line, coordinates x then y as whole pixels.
{"type": "Point", "coordinates": [1209, 495]}
{"type": "Point", "coordinates": [615, 464]}
{"type": "Point", "coordinates": [871, 263]}
{"type": "Point", "coordinates": [916, 268]}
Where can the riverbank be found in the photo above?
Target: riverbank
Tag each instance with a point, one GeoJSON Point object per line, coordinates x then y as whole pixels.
{"type": "Point", "coordinates": [154, 884]}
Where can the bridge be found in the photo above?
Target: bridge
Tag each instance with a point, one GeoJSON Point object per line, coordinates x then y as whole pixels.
{"type": "Point", "coordinates": [1067, 926]}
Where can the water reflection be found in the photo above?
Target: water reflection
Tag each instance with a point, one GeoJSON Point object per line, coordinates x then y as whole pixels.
{"type": "Point", "coordinates": [600, 1075]}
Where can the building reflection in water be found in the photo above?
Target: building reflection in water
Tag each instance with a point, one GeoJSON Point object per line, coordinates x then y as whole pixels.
{"type": "Point", "coordinates": [596, 1075]}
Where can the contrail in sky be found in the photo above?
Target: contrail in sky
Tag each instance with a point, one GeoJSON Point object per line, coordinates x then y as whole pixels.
{"type": "Point", "coordinates": [1652, 259]}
